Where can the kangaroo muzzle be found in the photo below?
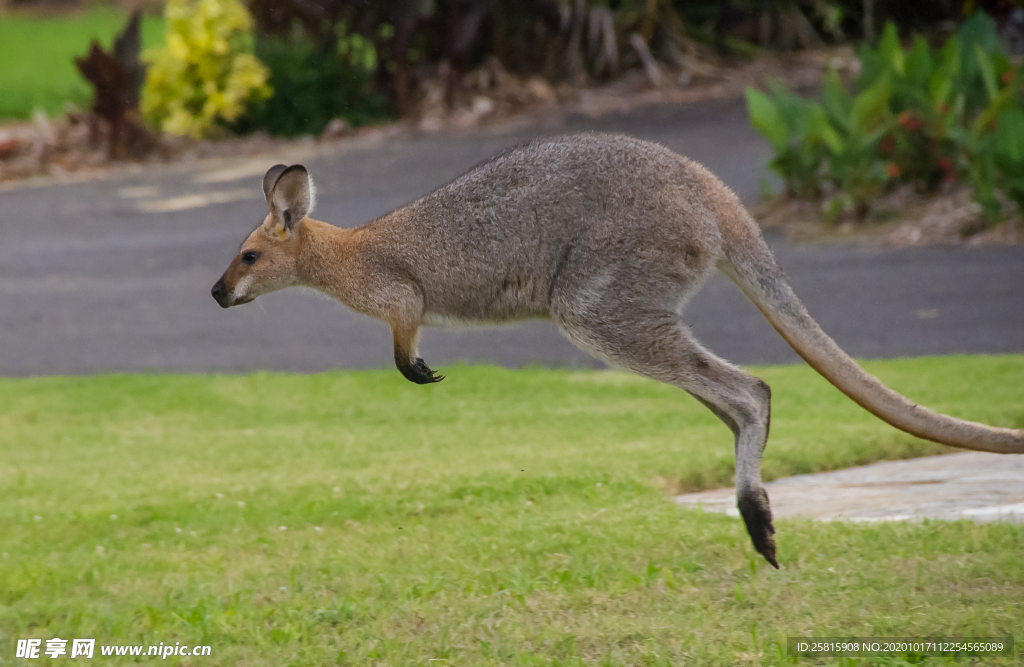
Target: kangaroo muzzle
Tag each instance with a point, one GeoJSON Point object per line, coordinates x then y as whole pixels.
{"type": "Point", "coordinates": [221, 294]}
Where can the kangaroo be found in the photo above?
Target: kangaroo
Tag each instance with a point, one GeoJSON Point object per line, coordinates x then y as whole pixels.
{"type": "Point", "coordinates": [605, 235]}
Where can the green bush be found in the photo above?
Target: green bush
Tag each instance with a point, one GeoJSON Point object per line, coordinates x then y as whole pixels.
{"type": "Point", "coordinates": [314, 83]}
{"type": "Point", "coordinates": [919, 115]}
{"type": "Point", "coordinates": [205, 75]}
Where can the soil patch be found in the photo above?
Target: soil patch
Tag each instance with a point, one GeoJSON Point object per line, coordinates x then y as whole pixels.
{"type": "Point", "coordinates": [901, 219]}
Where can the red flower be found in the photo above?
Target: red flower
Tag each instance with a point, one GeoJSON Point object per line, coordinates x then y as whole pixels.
{"type": "Point", "coordinates": [892, 170]}
{"type": "Point", "coordinates": [945, 164]}
{"type": "Point", "coordinates": [888, 144]}
{"type": "Point", "coordinates": [909, 121]}
{"type": "Point", "coordinates": [1008, 76]}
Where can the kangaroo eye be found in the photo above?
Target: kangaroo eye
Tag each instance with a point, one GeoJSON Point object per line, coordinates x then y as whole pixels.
{"type": "Point", "coordinates": [250, 257]}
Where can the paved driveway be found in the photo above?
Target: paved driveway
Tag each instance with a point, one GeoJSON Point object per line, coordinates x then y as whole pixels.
{"type": "Point", "coordinates": [114, 274]}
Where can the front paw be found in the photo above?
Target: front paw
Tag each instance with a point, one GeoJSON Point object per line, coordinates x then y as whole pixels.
{"type": "Point", "coordinates": [420, 373]}
{"type": "Point", "coordinates": [424, 373]}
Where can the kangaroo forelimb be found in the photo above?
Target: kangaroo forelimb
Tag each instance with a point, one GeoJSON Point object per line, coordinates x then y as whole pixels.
{"type": "Point", "coordinates": [409, 364]}
{"type": "Point", "coordinates": [418, 371]}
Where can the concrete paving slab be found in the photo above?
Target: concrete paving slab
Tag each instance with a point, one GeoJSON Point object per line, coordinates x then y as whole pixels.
{"type": "Point", "coordinates": [968, 485]}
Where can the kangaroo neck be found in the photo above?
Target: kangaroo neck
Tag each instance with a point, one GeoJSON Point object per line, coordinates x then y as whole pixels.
{"type": "Point", "coordinates": [326, 258]}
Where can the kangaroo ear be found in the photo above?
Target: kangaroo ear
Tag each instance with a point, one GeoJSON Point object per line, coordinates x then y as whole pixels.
{"type": "Point", "coordinates": [291, 197]}
{"type": "Point", "coordinates": [270, 178]}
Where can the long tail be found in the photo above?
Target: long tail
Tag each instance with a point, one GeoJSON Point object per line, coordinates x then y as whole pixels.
{"type": "Point", "coordinates": [750, 264]}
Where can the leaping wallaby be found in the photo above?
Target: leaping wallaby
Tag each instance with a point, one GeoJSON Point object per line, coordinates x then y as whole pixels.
{"type": "Point", "coordinates": [607, 236]}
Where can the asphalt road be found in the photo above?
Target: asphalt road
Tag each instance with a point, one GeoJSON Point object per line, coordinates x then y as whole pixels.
{"type": "Point", "coordinates": [114, 274]}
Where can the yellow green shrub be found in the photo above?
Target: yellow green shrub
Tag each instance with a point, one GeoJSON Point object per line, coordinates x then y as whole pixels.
{"type": "Point", "coordinates": [206, 74]}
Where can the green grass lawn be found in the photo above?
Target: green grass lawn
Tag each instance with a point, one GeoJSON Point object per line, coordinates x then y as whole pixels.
{"type": "Point", "coordinates": [501, 517]}
{"type": "Point", "coordinates": [36, 66]}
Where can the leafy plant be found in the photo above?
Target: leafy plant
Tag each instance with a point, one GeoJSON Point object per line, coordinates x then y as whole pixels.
{"type": "Point", "coordinates": [797, 131]}
{"type": "Point", "coordinates": [205, 75]}
{"type": "Point", "coordinates": [832, 144]}
{"type": "Point", "coordinates": [315, 82]}
{"type": "Point", "coordinates": [917, 115]}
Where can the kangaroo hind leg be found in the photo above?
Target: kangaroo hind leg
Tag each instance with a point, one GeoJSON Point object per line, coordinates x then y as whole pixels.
{"type": "Point", "coordinates": [659, 346]}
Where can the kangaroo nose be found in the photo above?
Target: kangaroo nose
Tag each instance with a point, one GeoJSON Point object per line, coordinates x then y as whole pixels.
{"type": "Point", "coordinates": [218, 292]}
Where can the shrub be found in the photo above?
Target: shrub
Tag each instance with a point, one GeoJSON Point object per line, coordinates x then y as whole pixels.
{"type": "Point", "coordinates": [205, 75]}
{"type": "Point", "coordinates": [919, 115]}
{"type": "Point", "coordinates": [315, 82]}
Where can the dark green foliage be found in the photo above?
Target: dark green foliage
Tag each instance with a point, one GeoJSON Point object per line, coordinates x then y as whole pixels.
{"type": "Point", "coordinates": [409, 38]}
{"type": "Point", "coordinates": [917, 115]}
{"type": "Point", "coordinates": [313, 84]}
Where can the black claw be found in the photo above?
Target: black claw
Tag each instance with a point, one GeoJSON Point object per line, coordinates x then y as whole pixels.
{"type": "Point", "coordinates": [426, 373]}
{"type": "Point", "coordinates": [757, 515]}
{"type": "Point", "coordinates": [420, 373]}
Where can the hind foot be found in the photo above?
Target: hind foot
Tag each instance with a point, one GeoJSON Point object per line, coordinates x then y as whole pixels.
{"type": "Point", "coordinates": [757, 515]}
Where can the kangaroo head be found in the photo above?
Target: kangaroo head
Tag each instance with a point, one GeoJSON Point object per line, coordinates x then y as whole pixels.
{"type": "Point", "coordinates": [268, 258]}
